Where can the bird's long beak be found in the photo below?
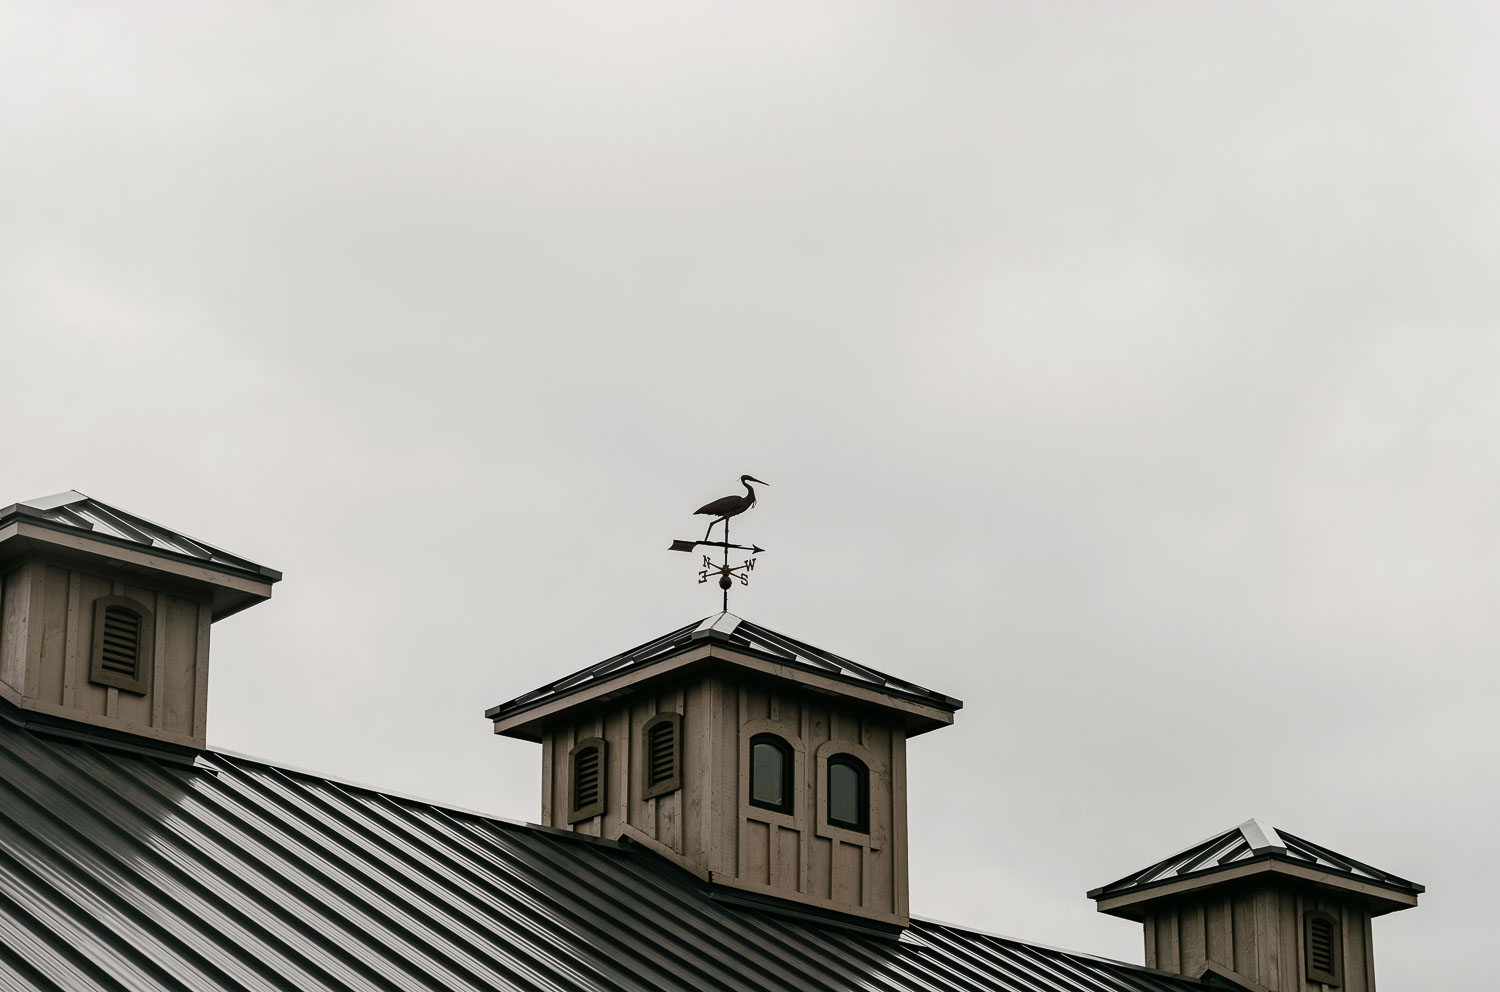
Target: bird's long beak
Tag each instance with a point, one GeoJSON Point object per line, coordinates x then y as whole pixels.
{"type": "Point", "coordinates": [753, 479]}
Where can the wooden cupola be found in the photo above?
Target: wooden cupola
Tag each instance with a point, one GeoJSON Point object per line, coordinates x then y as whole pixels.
{"type": "Point", "coordinates": [1261, 908]}
{"type": "Point", "coordinates": [773, 770]}
{"type": "Point", "coordinates": [105, 616]}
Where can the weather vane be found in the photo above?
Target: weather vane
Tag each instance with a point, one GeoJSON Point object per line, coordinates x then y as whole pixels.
{"type": "Point", "coordinates": [721, 510]}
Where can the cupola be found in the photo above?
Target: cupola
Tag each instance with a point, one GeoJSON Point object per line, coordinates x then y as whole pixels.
{"type": "Point", "coordinates": [105, 617]}
{"type": "Point", "coordinates": [1261, 908]}
{"type": "Point", "coordinates": [773, 770]}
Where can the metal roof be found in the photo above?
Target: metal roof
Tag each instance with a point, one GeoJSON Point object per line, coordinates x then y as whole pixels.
{"type": "Point", "coordinates": [73, 511]}
{"type": "Point", "coordinates": [131, 871]}
{"type": "Point", "coordinates": [1253, 839]}
{"type": "Point", "coordinates": [725, 628]}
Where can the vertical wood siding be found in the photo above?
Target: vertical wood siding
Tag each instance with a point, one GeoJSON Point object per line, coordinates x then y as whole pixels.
{"type": "Point", "coordinates": [1257, 932]}
{"type": "Point", "coordinates": [46, 636]}
{"type": "Point", "coordinates": [708, 823]}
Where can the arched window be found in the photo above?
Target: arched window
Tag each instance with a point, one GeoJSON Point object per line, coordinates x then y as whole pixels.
{"type": "Point", "coordinates": [1323, 948]}
{"type": "Point", "coordinates": [848, 793]}
{"type": "Point", "coordinates": [587, 780]}
{"type": "Point", "coordinates": [661, 755]}
{"type": "Point", "coordinates": [771, 773]}
{"type": "Point", "coordinates": [124, 636]}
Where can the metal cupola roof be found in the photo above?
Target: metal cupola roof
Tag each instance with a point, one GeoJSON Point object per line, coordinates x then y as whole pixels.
{"type": "Point", "coordinates": [70, 523]}
{"type": "Point", "coordinates": [1253, 845]}
{"type": "Point", "coordinates": [73, 510]}
{"type": "Point", "coordinates": [740, 636]}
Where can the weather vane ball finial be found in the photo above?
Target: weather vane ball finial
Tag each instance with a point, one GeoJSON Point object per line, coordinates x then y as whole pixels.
{"type": "Point", "coordinates": [721, 510]}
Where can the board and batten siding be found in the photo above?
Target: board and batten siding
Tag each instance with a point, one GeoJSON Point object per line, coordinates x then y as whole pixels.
{"type": "Point", "coordinates": [1257, 931]}
{"type": "Point", "coordinates": [47, 634]}
{"type": "Point", "coordinates": [708, 825]}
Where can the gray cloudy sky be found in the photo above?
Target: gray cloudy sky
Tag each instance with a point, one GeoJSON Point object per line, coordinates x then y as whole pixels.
{"type": "Point", "coordinates": [1128, 371]}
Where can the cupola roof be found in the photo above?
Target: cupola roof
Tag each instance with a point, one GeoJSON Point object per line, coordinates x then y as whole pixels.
{"type": "Point", "coordinates": [1251, 847]}
{"type": "Point", "coordinates": [73, 510]}
{"type": "Point", "coordinates": [741, 638]}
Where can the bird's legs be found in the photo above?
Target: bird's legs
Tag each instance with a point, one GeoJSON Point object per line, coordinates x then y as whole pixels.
{"type": "Point", "coordinates": [721, 520]}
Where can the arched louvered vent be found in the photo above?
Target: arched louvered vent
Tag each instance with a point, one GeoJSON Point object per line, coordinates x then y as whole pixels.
{"type": "Point", "coordinates": [662, 755]}
{"type": "Point", "coordinates": [588, 779]}
{"type": "Point", "coordinates": [1323, 948]}
{"type": "Point", "coordinates": [124, 639]}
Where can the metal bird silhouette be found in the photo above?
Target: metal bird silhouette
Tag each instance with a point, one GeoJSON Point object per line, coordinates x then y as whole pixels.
{"type": "Point", "coordinates": [725, 507]}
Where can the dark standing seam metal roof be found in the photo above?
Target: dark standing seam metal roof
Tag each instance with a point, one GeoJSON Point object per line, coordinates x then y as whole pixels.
{"type": "Point", "coordinates": [1251, 839]}
{"type": "Point", "coordinates": [725, 628]}
{"type": "Point", "coordinates": [75, 511]}
{"type": "Point", "coordinates": [128, 871]}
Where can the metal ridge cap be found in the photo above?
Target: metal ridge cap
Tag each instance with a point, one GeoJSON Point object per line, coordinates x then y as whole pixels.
{"type": "Point", "coordinates": [1261, 836]}
{"type": "Point", "coordinates": [52, 502]}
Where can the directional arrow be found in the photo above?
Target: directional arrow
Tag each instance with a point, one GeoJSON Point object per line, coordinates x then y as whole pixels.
{"type": "Point", "coordinates": [690, 545]}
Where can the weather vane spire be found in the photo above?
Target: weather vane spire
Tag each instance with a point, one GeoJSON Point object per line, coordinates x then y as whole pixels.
{"type": "Point", "coordinates": [721, 510]}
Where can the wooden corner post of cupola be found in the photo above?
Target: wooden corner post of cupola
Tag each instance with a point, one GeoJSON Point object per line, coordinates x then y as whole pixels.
{"type": "Point", "coordinates": [772, 770]}
{"type": "Point", "coordinates": [105, 617]}
{"type": "Point", "coordinates": [1262, 909]}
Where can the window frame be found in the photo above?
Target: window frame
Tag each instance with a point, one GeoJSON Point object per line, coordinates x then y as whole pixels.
{"type": "Point", "coordinates": [145, 646]}
{"type": "Point", "coordinates": [576, 813]}
{"type": "Point", "coordinates": [788, 773]}
{"type": "Point", "coordinates": [881, 791]}
{"type": "Point", "coordinates": [862, 770]}
{"type": "Point", "coordinates": [673, 782]}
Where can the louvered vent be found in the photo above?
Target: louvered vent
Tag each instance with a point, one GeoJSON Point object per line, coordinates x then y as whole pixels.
{"type": "Point", "coordinates": [588, 779]}
{"type": "Point", "coordinates": [661, 770]}
{"type": "Point", "coordinates": [123, 644]}
{"type": "Point", "coordinates": [1324, 955]}
{"type": "Point", "coordinates": [662, 751]}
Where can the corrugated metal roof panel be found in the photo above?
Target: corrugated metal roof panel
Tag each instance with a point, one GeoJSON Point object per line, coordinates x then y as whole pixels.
{"type": "Point", "coordinates": [730, 629]}
{"type": "Point", "coordinates": [122, 871]}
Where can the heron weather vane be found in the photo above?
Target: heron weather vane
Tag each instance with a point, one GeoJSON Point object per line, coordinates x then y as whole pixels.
{"type": "Point", "coordinates": [721, 510]}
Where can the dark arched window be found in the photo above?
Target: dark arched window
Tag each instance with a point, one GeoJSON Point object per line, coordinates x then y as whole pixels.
{"type": "Point", "coordinates": [848, 793]}
{"type": "Point", "coordinates": [587, 779]}
{"type": "Point", "coordinates": [770, 773]}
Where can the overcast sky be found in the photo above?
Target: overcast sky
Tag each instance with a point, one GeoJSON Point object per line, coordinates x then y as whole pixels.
{"type": "Point", "coordinates": [1127, 371]}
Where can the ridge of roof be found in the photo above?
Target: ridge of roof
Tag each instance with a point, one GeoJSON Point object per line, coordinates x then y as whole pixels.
{"type": "Point", "coordinates": [73, 511]}
{"type": "Point", "coordinates": [734, 631]}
